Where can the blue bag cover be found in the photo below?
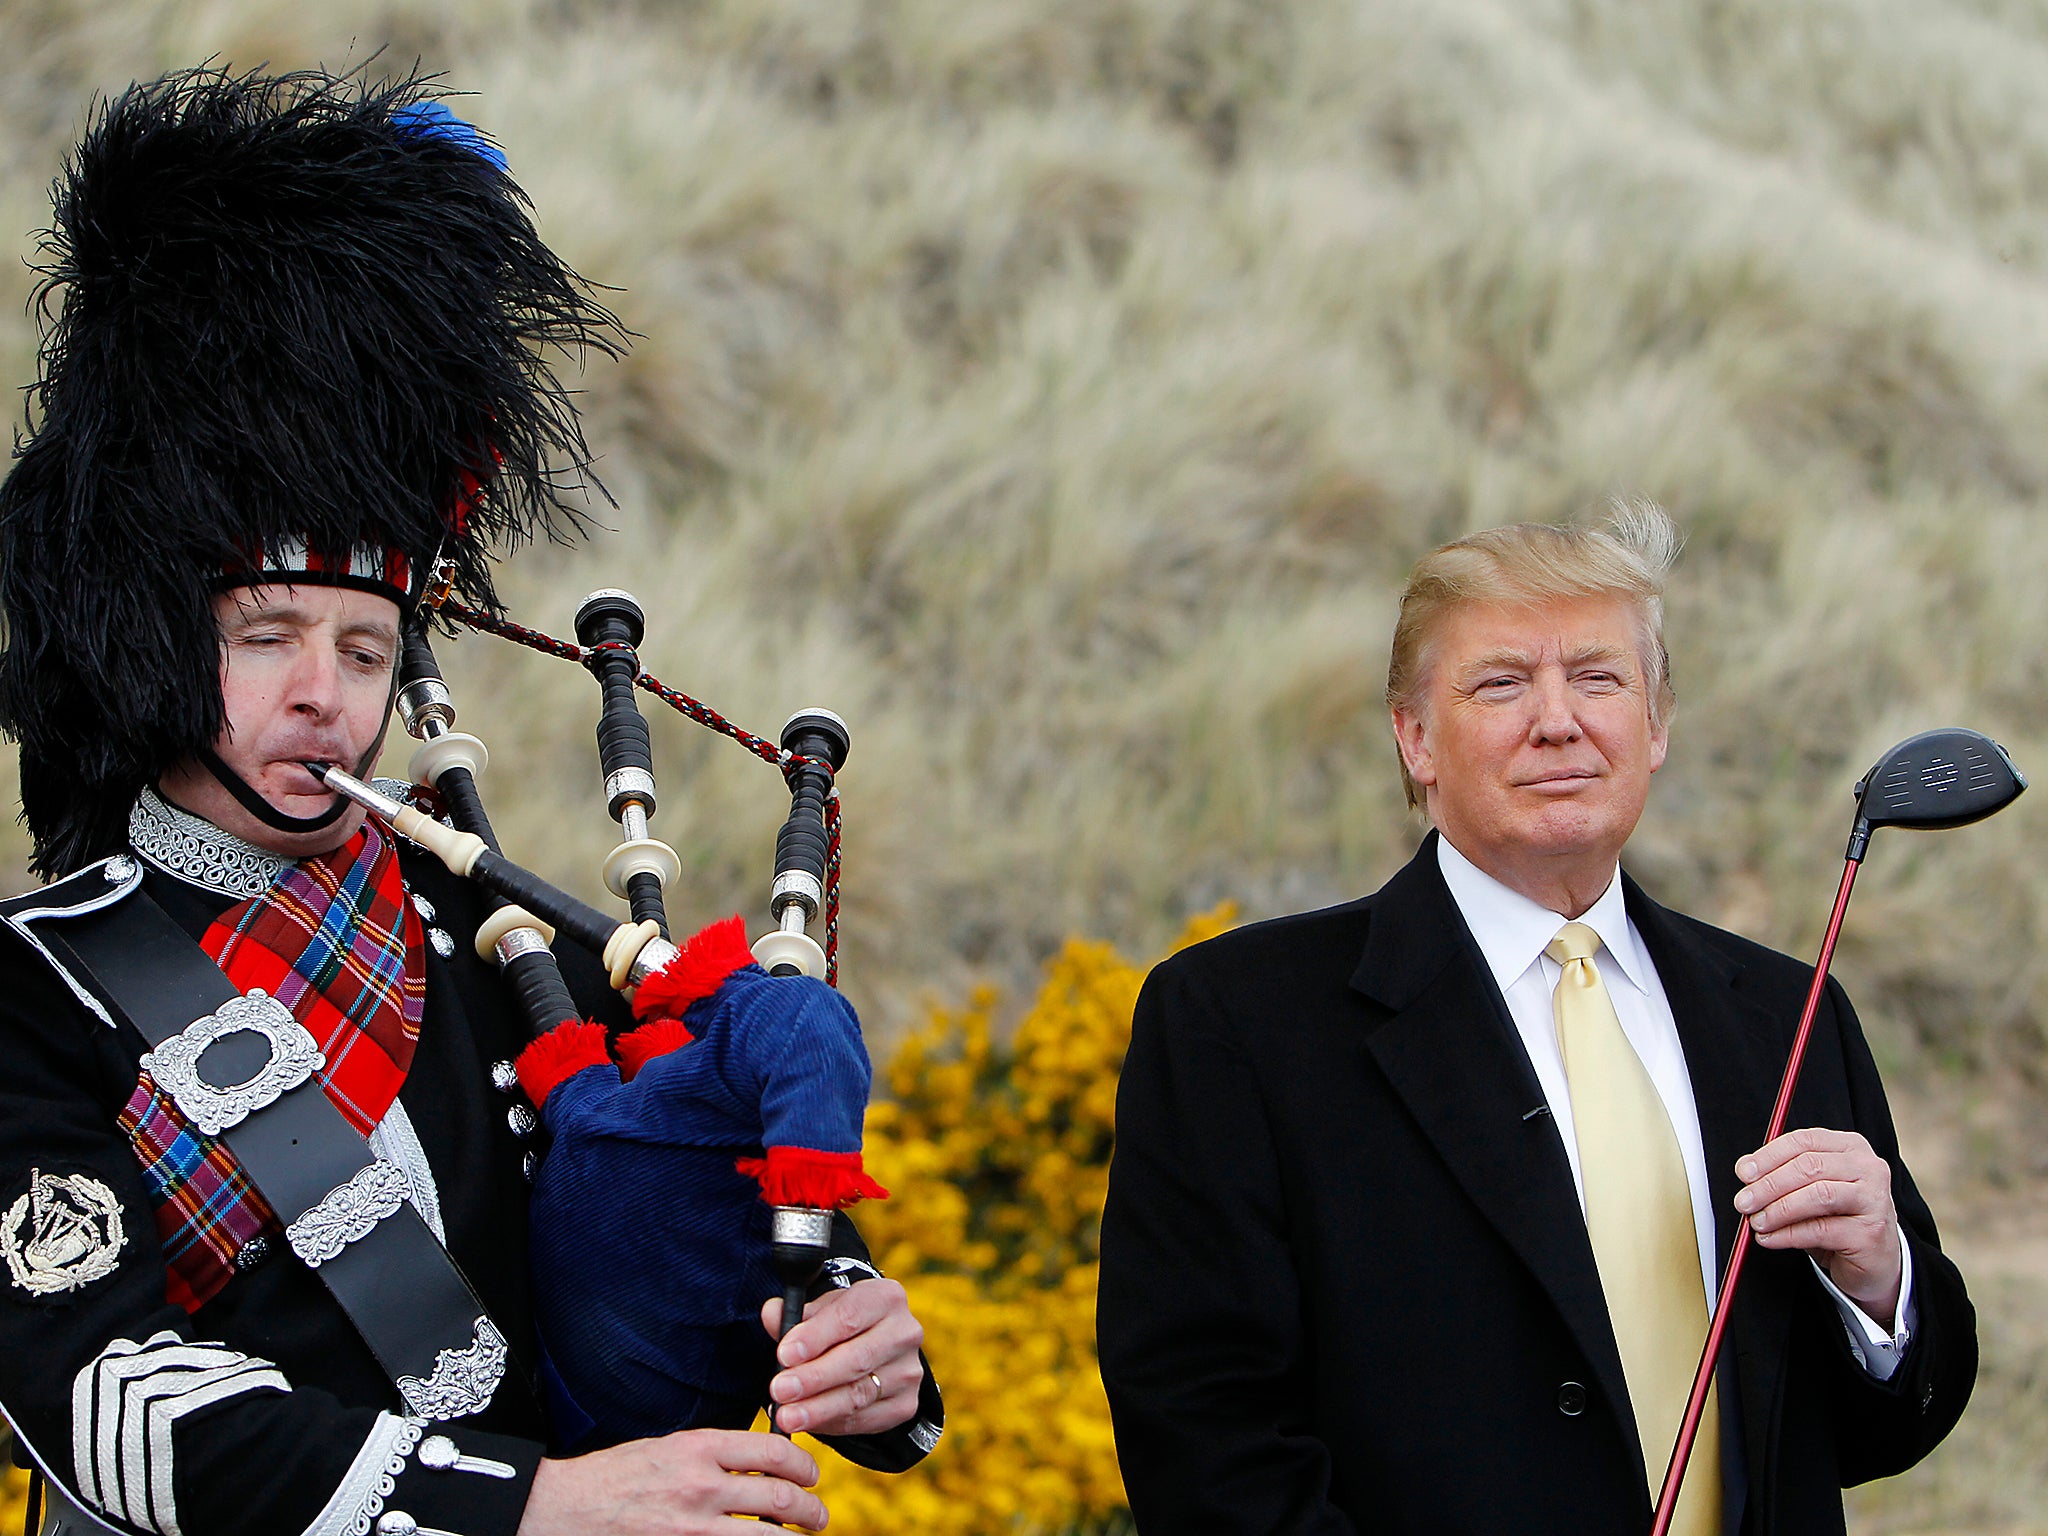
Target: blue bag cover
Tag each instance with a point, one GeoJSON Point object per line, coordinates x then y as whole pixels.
{"type": "Point", "coordinates": [649, 1247]}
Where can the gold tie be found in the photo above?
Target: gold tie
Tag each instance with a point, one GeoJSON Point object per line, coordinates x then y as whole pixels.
{"type": "Point", "coordinates": [1639, 1216]}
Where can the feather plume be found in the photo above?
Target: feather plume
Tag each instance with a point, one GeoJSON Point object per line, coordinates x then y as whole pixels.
{"type": "Point", "coordinates": [275, 307]}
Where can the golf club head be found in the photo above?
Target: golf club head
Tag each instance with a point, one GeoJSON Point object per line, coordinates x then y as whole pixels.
{"type": "Point", "coordinates": [1946, 778]}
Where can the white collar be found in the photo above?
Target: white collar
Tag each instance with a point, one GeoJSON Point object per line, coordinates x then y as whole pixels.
{"type": "Point", "coordinates": [1512, 931]}
{"type": "Point", "coordinates": [194, 850]}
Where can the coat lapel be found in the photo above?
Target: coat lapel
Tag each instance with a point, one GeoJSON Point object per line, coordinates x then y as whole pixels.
{"type": "Point", "coordinates": [1451, 1052]}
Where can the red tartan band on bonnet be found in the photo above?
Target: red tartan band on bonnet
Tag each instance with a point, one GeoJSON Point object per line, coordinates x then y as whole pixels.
{"type": "Point", "coordinates": [384, 570]}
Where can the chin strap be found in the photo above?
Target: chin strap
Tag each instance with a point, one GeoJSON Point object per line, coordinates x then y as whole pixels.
{"type": "Point", "coordinates": [247, 797]}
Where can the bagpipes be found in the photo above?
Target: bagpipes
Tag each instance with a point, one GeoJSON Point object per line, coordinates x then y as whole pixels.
{"type": "Point", "coordinates": [728, 1123]}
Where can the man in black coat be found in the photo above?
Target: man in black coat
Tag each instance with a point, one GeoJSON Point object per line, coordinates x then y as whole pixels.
{"type": "Point", "coordinates": [1355, 1276]}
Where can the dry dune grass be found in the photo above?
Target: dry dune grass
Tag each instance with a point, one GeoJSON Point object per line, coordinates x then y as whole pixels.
{"type": "Point", "coordinates": [1059, 391]}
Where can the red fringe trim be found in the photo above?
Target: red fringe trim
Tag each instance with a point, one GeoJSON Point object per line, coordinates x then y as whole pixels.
{"type": "Point", "coordinates": [707, 958]}
{"type": "Point", "coordinates": [824, 1181]}
{"type": "Point", "coordinates": [640, 1047]}
{"type": "Point", "coordinates": [559, 1055]}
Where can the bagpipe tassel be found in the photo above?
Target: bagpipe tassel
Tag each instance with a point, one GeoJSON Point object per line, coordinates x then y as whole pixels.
{"type": "Point", "coordinates": [705, 960]}
{"type": "Point", "coordinates": [824, 1181]}
{"type": "Point", "coordinates": [656, 1038]}
{"type": "Point", "coordinates": [559, 1055]}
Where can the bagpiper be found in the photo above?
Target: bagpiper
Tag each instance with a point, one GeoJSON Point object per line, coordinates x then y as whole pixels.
{"type": "Point", "coordinates": [261, 1195]}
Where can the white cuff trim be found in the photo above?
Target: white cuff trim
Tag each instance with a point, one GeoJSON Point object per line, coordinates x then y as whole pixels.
{"type": "Point", "coordinates": [359, 1498]}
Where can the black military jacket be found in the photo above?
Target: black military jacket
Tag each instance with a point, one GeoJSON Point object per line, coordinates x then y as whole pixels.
{"type": "Point", "coordinates": [264, 1413]}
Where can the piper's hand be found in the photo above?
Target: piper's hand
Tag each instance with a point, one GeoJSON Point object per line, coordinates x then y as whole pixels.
{"type": "Point", "coordinates": [850, 1367]}
{"type": "Point", "coordinates": [1830, 1194]}
{"type": "Point", "coordinates": [688, 1484]}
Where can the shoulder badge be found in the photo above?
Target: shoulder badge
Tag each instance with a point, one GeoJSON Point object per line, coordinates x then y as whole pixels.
{"type": "Point", "coordinates": [64, 1233]}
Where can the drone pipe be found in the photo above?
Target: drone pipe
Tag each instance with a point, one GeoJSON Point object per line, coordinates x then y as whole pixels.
{"type": "Point", "coordinates": [800, 845]}
{"type": "Point", "coordinates": [817, 744]}
{"type": "Point", "coordinates": [610, 624]}
{"type": "Point", "coordinates": [1703, 1378]}
{"type": "Point", "coordinates": [522, 953]}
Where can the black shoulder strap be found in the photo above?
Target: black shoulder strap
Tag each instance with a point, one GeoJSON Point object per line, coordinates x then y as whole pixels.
{"type": "Point", "coordinates": [241, 1068]}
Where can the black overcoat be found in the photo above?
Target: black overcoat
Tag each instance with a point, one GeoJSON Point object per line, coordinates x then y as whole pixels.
{"type": "Point", "coordinates": [1346, 1284]}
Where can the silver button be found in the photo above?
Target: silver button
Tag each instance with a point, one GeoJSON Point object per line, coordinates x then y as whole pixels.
{"type": "Point", "coordinates": [424, 907]}
{"type": "Point", "coordinates": [120, 867]}
{"type": "Point", "coordinates": [252, 1253]}
{"type": "Point", "coordinates": [530, 1165]}
{"type": "Point", "coordinates": [443, 945]}
{"type": "Point", "coordinates": [396, 1522]}
{"type": "Point", "coordinates": [504, 1077]}
{"type": "Point", "coordinates": [437, 1453]}
{"type": "Point", "coordinates": [522, 1121]}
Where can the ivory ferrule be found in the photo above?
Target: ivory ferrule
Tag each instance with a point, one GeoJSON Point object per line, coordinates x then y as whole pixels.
{"type": "Point", "coordinates": [458, 850]}
{"type": "Point", "coordinates": [635, 952]}
{"type": "Point", "coordinates": [786, 953]}
{"type": "Point", "coordinates": [450, 749]}
{"type": "Point", "coordinates": [644, 856]}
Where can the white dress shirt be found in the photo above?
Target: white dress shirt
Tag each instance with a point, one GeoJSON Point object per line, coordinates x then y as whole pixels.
{"type": "Point", "coordinates": [1512, 932]}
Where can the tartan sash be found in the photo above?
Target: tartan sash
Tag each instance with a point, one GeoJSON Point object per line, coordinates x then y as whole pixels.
{"type": "Point", "coordinates": [207, 1211]}
{"type": "Point", "coordinates": [334, 940]}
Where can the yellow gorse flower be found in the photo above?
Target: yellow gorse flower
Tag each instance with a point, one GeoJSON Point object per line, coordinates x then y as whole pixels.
{"type": "Point", "coordinates": [998, 1157]}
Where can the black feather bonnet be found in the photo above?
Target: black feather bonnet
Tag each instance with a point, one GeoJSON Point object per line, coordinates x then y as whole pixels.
{"type": "Point", "coordinates": [281, 313]}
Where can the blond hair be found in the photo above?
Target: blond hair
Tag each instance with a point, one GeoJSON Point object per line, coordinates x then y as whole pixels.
{"type": "Point", "coordinates": [1530, 564]}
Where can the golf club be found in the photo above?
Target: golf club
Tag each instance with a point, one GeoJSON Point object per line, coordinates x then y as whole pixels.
{"type": "Point", "coordinates": [1938, 779]}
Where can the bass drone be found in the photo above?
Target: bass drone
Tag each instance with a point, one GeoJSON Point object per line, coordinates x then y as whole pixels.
{"type": "Point", "coordinates": [728, 1124]}
{"type": "Point", "coordinates": [1933, 781]}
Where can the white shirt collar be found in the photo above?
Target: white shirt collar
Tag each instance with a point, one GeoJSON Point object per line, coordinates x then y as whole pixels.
{"type": "Point", "coordinates": [1512, 931]}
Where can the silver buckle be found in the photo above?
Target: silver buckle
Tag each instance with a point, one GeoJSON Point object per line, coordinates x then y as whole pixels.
{"type": "Point", "coordinates": [212, 1107]}
{"type": "Point", "coordinates": [463, 1379]}
{"type": "Point", "coordinates": [349, 1212]}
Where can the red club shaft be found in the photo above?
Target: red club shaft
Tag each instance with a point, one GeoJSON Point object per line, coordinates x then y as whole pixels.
{"type": "Point", "coordinates": [1703, 1378]}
